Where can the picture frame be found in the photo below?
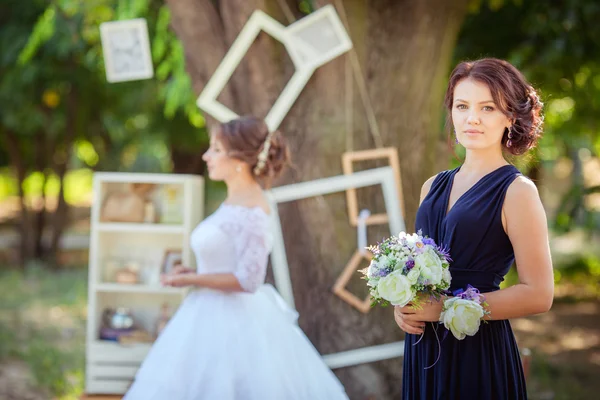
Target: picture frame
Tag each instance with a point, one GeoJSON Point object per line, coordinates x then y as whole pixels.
{"type": "Point", "coordinates": [298, 40]}
{"type": "Point", "coordinates": [126, 50]}
{"type": "Point", "coordinates": [350, 157]}
{"type": "Point", "coordinates": [379, 176]}
{"type": "Point", "coordinates": [172, 258]}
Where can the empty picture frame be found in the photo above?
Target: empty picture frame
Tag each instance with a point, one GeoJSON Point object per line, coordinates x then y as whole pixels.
{"type": "Point", "coordinates": [126, 50]}
{"type": "Point", "coordinates": [348, 158]}
{"type": "Point", "coordinates": [379, 176]}
{"type": "Point", "coordinates": [339, 288]}
{"type": "Point", "coordinates": [300, 45]}
{"type": "Point", "coordinates": [318, 38]}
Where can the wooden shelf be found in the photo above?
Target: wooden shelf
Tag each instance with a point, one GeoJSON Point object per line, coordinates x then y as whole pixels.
{"type": "Point", "coordinates": [140, 228]}
{"type": "Point", "coordinates": [135, 288]}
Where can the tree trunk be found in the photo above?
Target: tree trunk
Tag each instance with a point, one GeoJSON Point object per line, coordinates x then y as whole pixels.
{"type": "Point", "coordinates": [404, 49]}
{"type": "Point", "coordinates": [39, 213]}
{"type": "Point", "coordinates": [25, 227]}
{"type": "Point", "coordinates": [60, 217]}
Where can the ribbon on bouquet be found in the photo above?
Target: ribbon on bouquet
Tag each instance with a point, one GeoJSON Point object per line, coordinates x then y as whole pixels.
{"type": "Point", "coordinates": [362, 230]}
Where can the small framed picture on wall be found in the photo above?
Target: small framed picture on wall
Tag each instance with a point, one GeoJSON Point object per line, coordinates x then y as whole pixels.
{"type": "Point", "coordinates": [126, 50]}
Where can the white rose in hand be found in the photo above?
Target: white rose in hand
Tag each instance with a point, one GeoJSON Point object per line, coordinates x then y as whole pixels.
{"type": "Point", "coordinates": [413, 275]}
{"type": "Point", "coordinates": [396, 288]}
{"type": "Point", "coordinates": [462, 317]}
{"type": "Point", "coordinates": [446, 276]}
{"type": "Point", "coordinates": [431, 266]}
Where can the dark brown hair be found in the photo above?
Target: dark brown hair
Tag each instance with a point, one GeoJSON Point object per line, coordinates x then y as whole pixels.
{"type": "Point", "coordinates": [246, 137]}
{"type": "Point", "coordinates": [513, 95]}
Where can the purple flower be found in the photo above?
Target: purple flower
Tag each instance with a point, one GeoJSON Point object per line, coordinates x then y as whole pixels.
{"type": "Point", "coordinates": [445, 252]}
{"type": "Point", "coordinates": [410, 264]}
{"type": "Point", "coordinates": [429, 241]}
{"type": "Point", "coordinates": [471, 293]}
{"type": "Point", "coordinates": [383, 272]}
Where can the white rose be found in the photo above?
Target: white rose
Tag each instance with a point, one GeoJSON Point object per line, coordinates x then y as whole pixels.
{"type": "Point", "coordinates": [430, 265]}
{"type": "Point", "coordinates": [413, 275]}
{"type": "Point", "coordinates": [396, 288]}
{"type": "Point", "coordinates": [446, 276]}
{"type": "Point", "coordinates": [372, 269]}
{"type": "Point", "coordinates": [462, 317]}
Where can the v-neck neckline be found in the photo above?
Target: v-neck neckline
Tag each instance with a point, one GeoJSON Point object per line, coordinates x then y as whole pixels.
{"type": "Point", "coordinates": [451, 186]}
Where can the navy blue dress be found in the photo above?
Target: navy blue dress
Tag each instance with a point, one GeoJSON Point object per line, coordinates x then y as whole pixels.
{"type": "Point", "coordinates": [485, 366]}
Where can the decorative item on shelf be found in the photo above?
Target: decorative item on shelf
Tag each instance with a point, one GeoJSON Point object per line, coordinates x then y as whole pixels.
{"type": "Point", "coordinates": [150, 213]}
{"type": "Point", "coordinates": [163, 318]}
{"type": "Point", "coordinates": [128, 205]}
{"type": "Point", "coordinates": [171, 205]}
{"type": "Point", "coordinates": [171, 259]}
{"type": "Point", "coordinates": [129, 274]}
{"type": "Point", "coordinates": [116, 322]}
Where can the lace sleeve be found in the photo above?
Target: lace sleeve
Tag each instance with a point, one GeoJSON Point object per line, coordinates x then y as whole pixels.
{"type": "Point", "coordinates": [252, 258]}
{"type": "Point", "coordinates": [248, 230]}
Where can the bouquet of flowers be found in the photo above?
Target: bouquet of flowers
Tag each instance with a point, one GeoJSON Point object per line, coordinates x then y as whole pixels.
{"type": "Point", "coordinates": [409, 268]}
{"type": "Point", "coordinates": [412, 268]}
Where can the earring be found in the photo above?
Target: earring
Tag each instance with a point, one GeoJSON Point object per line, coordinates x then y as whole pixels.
{"type": "Point", "coordinates": [238, 168]}
{"type": "Point", "coordinates": [510, 136]}
{"type": "Point", "coordinates": [455, 137]}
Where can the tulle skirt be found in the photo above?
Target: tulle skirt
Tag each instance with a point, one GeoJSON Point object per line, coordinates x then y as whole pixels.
{"type": "Point", "coordinates": [234, 346]}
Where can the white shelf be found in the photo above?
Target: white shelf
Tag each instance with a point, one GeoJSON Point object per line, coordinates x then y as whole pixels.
{"type": "Point", "coordinates": [143, 228]}
{"type": "Point", "coordinates": [110, 366]}
{"type": "Point", "coordinates": [110, 345]}
{"type": "Point", "coordinates": [136, 288]}
{"type": "Point", "coordinates": [107, 351]}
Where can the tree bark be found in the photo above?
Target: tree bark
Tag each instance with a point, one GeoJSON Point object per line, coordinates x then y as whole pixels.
{"type": "Point", "coordinates": [404, 49]}
{"type": "Point", "coordinates": [61, 214]}
{"type": "Point", "coordinates": [39, 215]}
{"type": "Point", "coordinates": [25, 227]}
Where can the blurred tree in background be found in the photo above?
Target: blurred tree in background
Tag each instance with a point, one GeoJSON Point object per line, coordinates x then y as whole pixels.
{"type": "Point", "coordinates": [58, 112]}
{"type": "Point", "coordinates": [556, 45]}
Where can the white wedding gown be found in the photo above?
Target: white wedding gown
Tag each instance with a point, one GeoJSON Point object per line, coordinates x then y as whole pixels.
{"type": "Point", "coordinates": [234, 346]}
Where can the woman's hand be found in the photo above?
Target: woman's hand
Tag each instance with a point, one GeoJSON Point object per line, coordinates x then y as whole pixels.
{"type": "Point", "coordinates": [408, 326]}
{"type": "Point", "coordinates": [180, 269]}
{"type": "Point", "coordinates": [411, 320]}
{"type": "Point", "coordinates": [177, 280]}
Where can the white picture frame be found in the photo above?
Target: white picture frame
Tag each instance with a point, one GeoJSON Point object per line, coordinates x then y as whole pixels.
{"type": "Point", "coordinates": [126, 50]}
{"type": "Point", "coordinates": [303, 56]}
{"type": "Point", "coordinates": [309, 46]}
{"type": "Point", "coordinates": [378, 176]}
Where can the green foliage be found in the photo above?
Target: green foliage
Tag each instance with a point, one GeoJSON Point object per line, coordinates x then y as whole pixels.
{"type": "Point", "coordinates": [53, 52]}
{"type": "Point", "coordinates": [554, 44]}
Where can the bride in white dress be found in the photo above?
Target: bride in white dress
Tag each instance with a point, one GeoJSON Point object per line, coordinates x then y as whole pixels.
{"type": "Point", "coordinates": [233, 337]}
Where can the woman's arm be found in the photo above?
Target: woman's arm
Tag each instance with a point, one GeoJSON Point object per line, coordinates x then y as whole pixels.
{"type": "Point", "coordinates": [526, 226]}
{"type": "Point", "coordinates": [252, 255]}
{"type": "Point", "coordinates": [225, 282]}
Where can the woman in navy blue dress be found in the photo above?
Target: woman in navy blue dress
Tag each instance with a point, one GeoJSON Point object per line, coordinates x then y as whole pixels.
{"type": "Point", "coordinates": [488, 215]}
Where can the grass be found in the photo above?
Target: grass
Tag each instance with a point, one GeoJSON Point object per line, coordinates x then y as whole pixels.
{"type": "Point", "coordinates": [42, 322]}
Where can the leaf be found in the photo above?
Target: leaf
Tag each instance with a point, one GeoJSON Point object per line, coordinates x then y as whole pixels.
{"type": "Point", "coordinates": [42, 32]}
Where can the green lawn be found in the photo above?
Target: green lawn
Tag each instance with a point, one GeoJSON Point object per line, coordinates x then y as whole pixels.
{"type": "Point", "coordinates": [42, 322]}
